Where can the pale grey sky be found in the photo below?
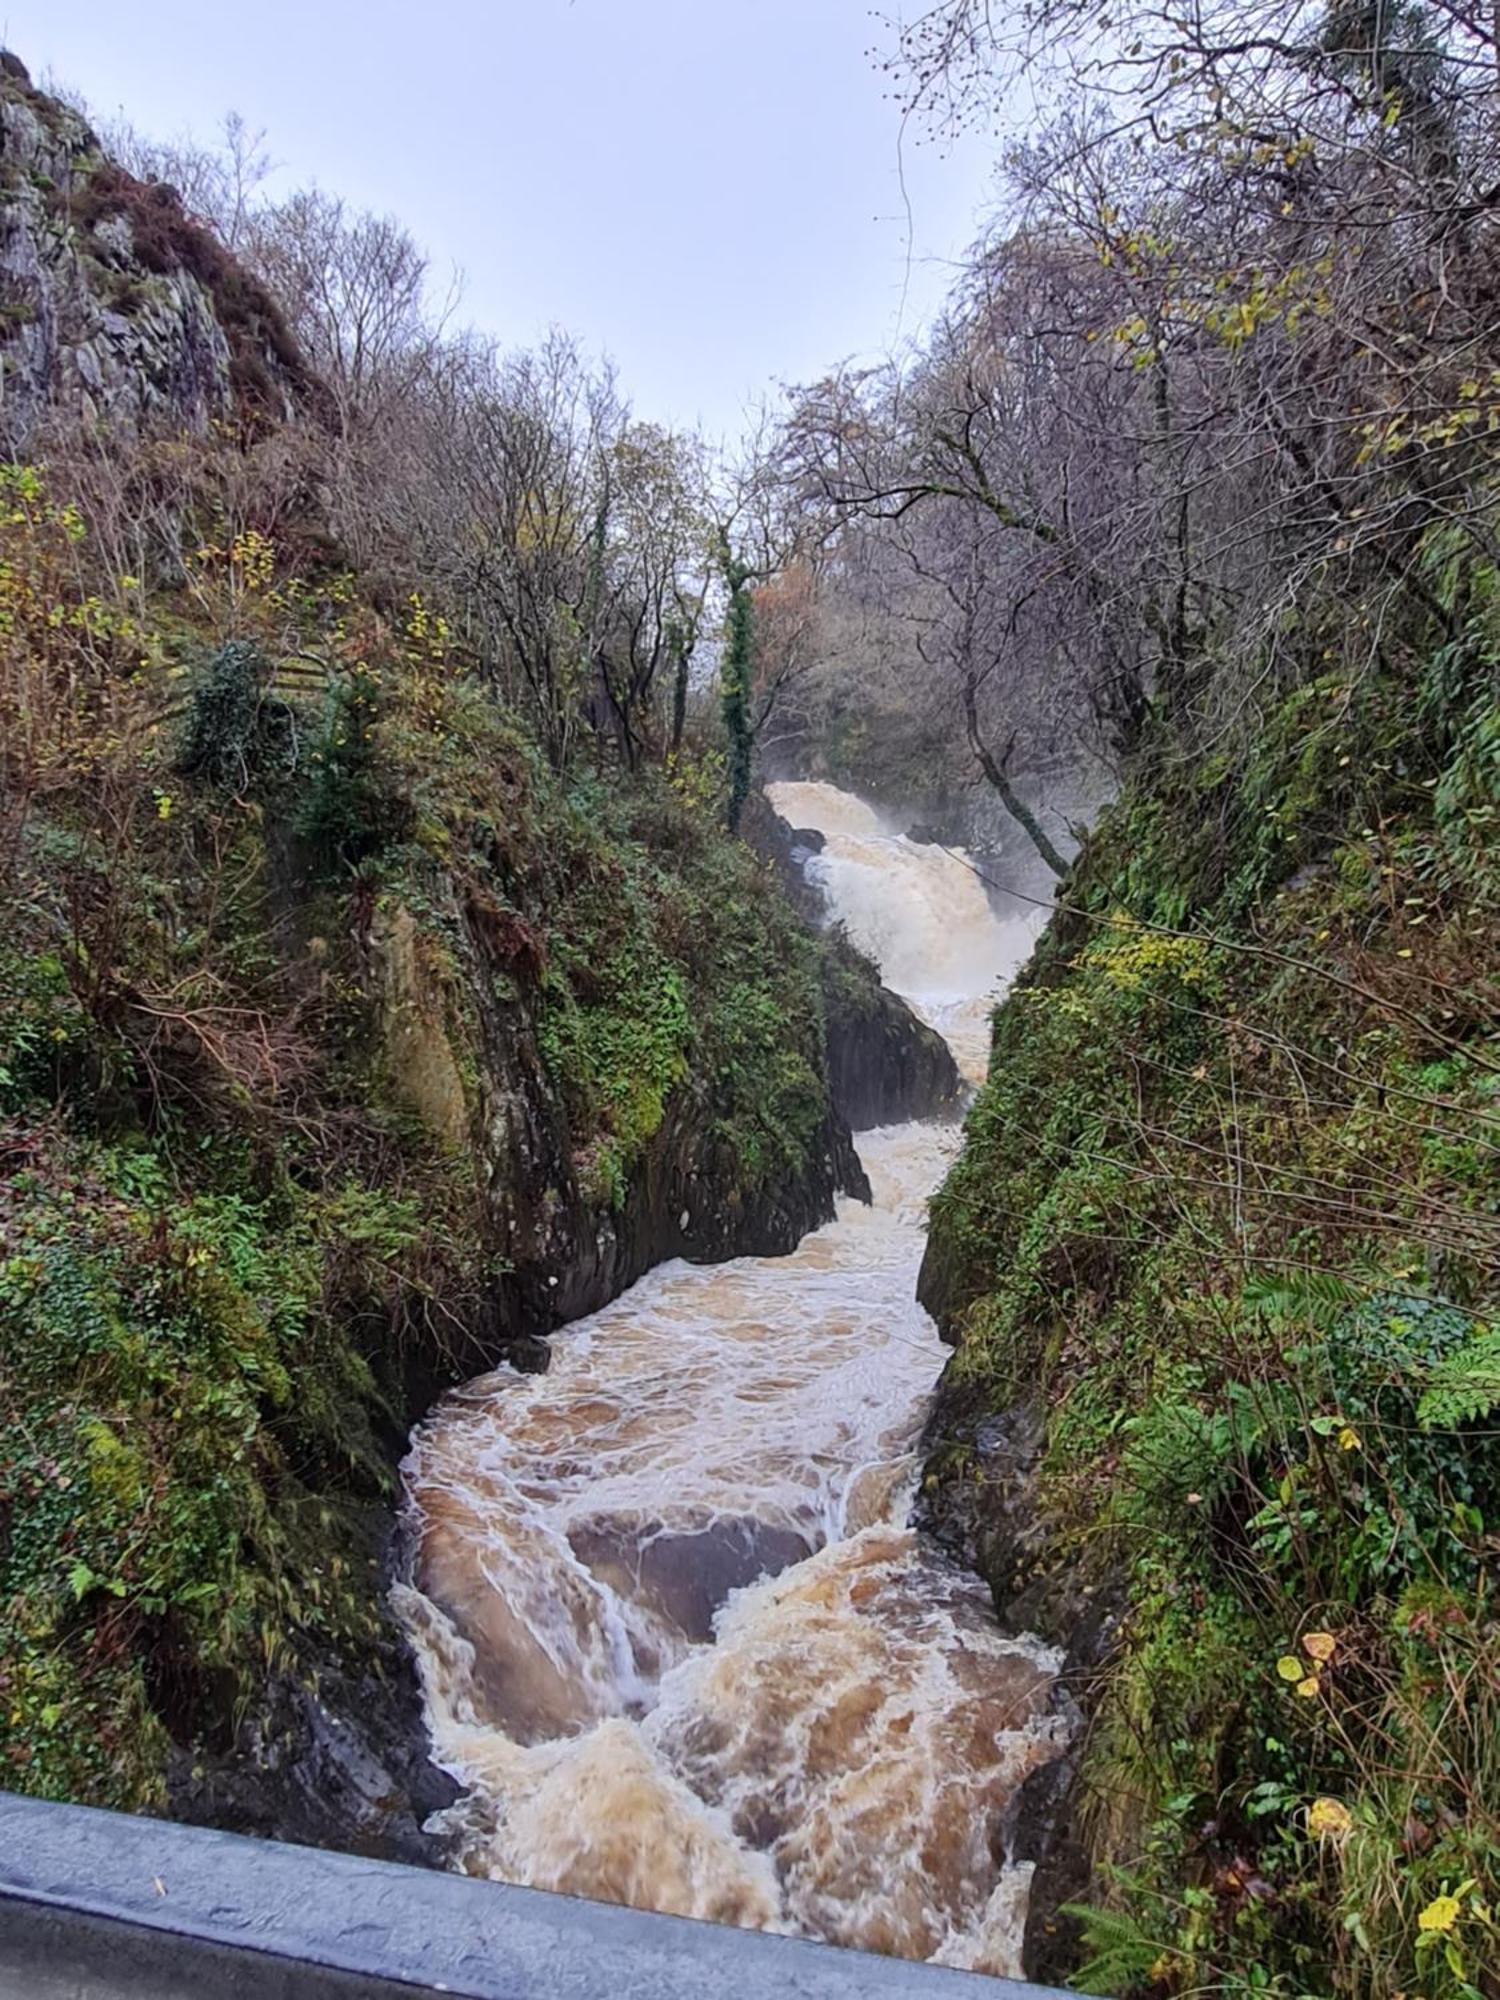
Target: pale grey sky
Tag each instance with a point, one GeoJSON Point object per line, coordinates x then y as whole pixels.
{"type": "Point", "coordinates": [708, 191]}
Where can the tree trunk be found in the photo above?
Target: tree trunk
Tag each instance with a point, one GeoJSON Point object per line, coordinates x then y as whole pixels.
{"type": "Point", "coordinates": [994, 770]}
{"type": "Point", "coordinates": [682, 655]}
{"type": "Point", "coordinates": [739, 726]}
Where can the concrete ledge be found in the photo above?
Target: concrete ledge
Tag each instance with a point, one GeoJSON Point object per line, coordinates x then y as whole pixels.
{"type": "Point", "coordinates": [99, 1904]}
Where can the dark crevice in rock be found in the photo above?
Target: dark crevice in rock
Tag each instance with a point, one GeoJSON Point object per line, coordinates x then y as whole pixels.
{"type": "Point", "coordinates": [980, 1501]}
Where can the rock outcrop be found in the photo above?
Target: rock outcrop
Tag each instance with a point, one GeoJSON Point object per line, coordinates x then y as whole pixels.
{"type": "Point", "coordinates": [116, 307]}
{"type": "Point", "coordinates": [885, 1066]}
{"type": "Point", "coordinates": [465, 1057]}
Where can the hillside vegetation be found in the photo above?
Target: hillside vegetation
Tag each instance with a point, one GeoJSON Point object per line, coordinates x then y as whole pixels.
{"type": "Point", "coordinates": [1226, 1218]}
{"type": "Point", "coordinates": [383, 979]}
{"type": "Point", "coordinates": [1220, 1255]}
{"type": "Point", "coordinates": [376, 991]}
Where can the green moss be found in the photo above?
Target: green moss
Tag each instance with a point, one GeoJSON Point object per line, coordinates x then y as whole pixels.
{"type": "Point", "coordinates": [1227, 1204]}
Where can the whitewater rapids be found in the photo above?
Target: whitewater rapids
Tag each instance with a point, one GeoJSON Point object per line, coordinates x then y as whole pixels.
{"type": "Point", "coordinates": [679, 1646]}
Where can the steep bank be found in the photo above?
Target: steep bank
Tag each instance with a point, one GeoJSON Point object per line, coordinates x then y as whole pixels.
{"type": "Point", "coordinates": [348, 1042]}
{"type": "Point", "coordinates": [309, 1139]}
{"type": "Point", "coordinates": [1219, 1260]}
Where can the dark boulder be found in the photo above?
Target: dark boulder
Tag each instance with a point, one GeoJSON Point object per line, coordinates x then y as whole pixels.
{"type": "Point", "coordinates": [885, 1066]}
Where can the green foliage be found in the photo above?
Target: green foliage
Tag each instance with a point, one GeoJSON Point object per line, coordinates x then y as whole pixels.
{"type": "Point", "coordinates": [1464, 1385]}
{"type": "Point", "coordinates": [1226, 1208]}
{"type": "Point", "coordinates": [150, 1340]}
{"type": "Point", "coordinates": [230, 1263]}
{"type": "Point", "coordinates": [736, 681]}
{"type": "Point", "coordinates": [236, 732]}
{"type": "Point", "coordinates": [674, 965]}
{"type": "Point", "coordinates": [40, 1027]}
{"type": "Point", "coordinates": [620, 1054]}
{"type": "Point", "coordinates": [348, 812]}
{"type": "Point", "coordinates": [1120, 1955]}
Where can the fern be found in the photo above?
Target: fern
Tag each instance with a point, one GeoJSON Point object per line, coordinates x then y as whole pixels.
{"type": "Point", "coordinates": [1315, 1298]}
{"type": "Point", "coordinates": [1121, 1954]}
{"type": "Point", "coordinates": [1464, 1387]}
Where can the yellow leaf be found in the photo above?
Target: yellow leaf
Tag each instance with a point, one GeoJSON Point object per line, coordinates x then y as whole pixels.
{"type": "Point", "coordinates": [1308, 1688]}
{"type": "Point", "coordinates": [1441, 1914]}
{"type": "Point", "coordinates": [1289, 1667]}
{"type": "Point", "coordinates": [1328, 1820]}
{"type": "Point", "coordinates": [1320, 1646]}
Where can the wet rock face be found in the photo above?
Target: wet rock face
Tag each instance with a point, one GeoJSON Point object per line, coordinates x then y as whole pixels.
{"type": "Point", "coordinates": [335, 1752]}
{"type": "Point", "coordinates": [943, 1283]}
{"type": "Point", "coordinates": [567, 1255]}
{"type": "Point", "coordinates": [981, 1501]}
{"type": "Point", "coordinates": [332, 1755]}
{"type": "Point", "coordinates": [884, 1065]}
{"type": "Point", "coordinates": [462, 1050]}
{"type": "Point", "coordinates": [115, 307]}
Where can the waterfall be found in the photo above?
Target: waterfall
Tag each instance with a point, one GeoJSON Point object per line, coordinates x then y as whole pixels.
{"type": "Point", "coordinates": [680, 1646]}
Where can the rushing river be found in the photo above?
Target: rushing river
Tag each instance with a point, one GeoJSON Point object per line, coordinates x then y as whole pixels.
{"type": "Point", "coordinates": [680, 1648]}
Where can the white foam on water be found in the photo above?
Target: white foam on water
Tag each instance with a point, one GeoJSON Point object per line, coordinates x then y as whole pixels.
{"type": "Point", "coordinates": [678, 1644]}
{"type": "Point", "coordinates": [919, 910]}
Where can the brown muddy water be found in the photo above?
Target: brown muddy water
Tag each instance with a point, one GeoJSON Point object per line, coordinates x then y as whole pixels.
{"type": "Point", "coordinates": [679, 1645]}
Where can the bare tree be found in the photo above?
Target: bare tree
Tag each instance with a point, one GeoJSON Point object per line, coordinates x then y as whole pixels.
{"type": "Point", "coordinates": [220, 185]}
{"type": "Point", "coordinates": [354, 287]}
{"type": "Point", "coordinates": [1223, 365]}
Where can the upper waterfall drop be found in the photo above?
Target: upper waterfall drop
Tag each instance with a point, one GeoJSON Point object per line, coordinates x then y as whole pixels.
{"type": "Point", "coordinates": [919, 910]}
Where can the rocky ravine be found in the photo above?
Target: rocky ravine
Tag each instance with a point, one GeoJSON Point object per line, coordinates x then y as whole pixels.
{"type": "Point", "coordinates": [335, 1752]}
{"type": "Point", "coordinates": [121, 316]}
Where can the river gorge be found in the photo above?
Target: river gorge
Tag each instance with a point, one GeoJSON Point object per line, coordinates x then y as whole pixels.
{"type": "Point", "coordinates": [680, 1646]}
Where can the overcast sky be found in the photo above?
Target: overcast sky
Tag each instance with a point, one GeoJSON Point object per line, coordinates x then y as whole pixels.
{"type": "Point", "coordinates": [711, 192]}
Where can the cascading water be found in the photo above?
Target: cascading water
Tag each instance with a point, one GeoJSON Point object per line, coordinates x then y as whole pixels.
{"type": "Point", "coordinates": [679, 1646]}
{"type": "Point", "coordinates": [919, 911]}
